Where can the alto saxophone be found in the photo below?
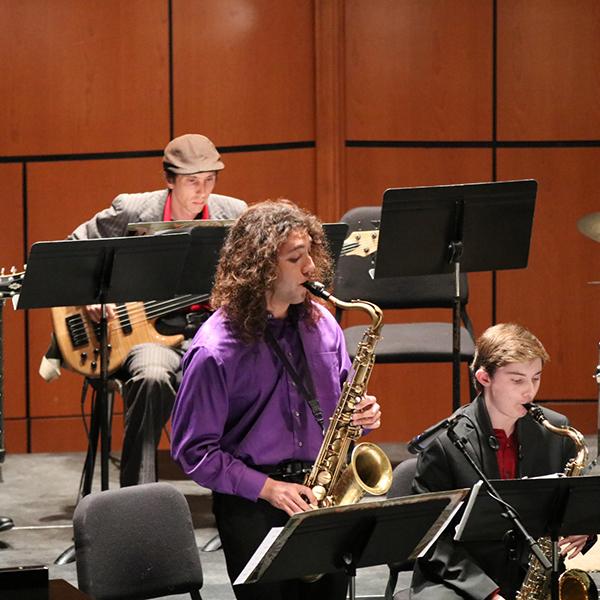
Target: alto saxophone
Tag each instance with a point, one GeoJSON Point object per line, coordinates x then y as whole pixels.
{"type": "Point", "coordinates": [335, 482]}
{"type": "Point", "coordinates": [573, 584]}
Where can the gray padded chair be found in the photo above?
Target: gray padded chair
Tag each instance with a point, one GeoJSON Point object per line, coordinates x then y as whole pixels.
{"type": "Point", "coordinates": [401, 342]}
{"type": "Point", "coordinates": [402, 478]}
{"type": "Point", "coordinates": [136, 542]}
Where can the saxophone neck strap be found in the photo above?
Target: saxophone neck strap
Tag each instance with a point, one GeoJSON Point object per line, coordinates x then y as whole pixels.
{"type": "Point", "coordinates": [305, 386]}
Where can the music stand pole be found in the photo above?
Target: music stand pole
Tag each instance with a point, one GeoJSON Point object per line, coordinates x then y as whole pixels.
{"type": "Point", "coordinates": [455, 256]}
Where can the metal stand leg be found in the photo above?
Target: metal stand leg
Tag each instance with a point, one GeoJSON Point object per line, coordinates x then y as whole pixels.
{"type": "Point", "coordinates": [597, 378]}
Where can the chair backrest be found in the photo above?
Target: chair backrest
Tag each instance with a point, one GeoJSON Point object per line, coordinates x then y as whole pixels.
{"type": "Point", "coordinates": [136, 542]}
{"type": "Point", "coordinates": [402, 478]}
{"type": "Point", "coordinates": [353, 280]}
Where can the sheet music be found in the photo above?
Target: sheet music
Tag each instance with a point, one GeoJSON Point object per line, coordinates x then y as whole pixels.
{"type": "Point", "coordinates": [153, 227]}
{"type": "Point", "coordinates": [463, 522]}
{"type": "Point", "coordinates": [258, 555]}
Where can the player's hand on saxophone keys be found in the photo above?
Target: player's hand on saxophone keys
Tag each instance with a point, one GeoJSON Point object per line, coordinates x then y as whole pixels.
{"type": "Point", "coordinates": [367, 413]}
{"type": "Point", "coordinates": [572, 545]}
{"type": "Point", "coordinates": [290, 497]}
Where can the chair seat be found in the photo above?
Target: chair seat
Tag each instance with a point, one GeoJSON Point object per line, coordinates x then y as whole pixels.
{"type": "Point", "coordinates": [413, 342]}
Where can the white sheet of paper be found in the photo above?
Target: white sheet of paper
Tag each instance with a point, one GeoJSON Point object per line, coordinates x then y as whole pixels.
{"type": "Point", "coordinates": [258, 554]}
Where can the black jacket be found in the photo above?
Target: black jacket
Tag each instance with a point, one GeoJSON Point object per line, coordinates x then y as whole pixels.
{"type": "Point", "coordinates": [474, 570]}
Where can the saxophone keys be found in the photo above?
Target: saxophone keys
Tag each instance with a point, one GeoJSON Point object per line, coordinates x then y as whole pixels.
{"type": "Point", "coordinates": [323, 478]}
{"type": "Point", "coordinates": [319, 492]}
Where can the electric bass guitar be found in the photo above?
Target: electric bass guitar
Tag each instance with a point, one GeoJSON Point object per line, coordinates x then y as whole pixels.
{"type": "Point", "coordinates": [78, 337]}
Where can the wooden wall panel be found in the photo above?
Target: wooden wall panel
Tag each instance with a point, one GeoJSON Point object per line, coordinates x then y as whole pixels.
{"type": "Point", "coordinates": [548, 75]}
{"type": "Point", "coordinates": [584, 417]}
{"type": "Point", "coordinates": [330, 106]}
{"type": "Point", "coordinates": [552, 296]}
{"type": "Point", "coordinates": [68, 434]}
{"type": "Point", "coordinates": [421, 394]}
{"type": "Point", "coordinates": [256, 176]}
{"type": "Point", "coordinates": [60, 198]}
{"type": "Point", "coordinates": [16, 435]}
{"type": "Point", "coordinates": [83, 76]}
{"type": "Point", "coordinates": [419, 70]}
{"type": "Point", "coordinates": [243, 72]}
{"type": "Point", "coordinates": [11, 234]}
{"type": "Point", "coordinates": [370, 171]}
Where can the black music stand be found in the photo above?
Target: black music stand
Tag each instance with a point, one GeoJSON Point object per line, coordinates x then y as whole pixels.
{"type": "Point", "coordinates": [99, 271]}
{"type": "Point", "coordinates": [345, 538]}
{"type": "Point", "coordinates": [547, 506]}
{"type": "Point", "coordinates": [199, 269]}
{"type": "Point", "coordinates": [454, 229]}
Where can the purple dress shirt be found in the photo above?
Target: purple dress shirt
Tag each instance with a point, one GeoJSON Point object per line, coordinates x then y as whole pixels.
{"type": "Point", "coordinates": [237, 406]}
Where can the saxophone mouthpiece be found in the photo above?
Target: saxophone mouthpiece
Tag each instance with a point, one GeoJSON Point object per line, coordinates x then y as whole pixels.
{"type": "Point", "coordinates": [317, 289]}
{"type": "Point", "coordinates": [535, 411]}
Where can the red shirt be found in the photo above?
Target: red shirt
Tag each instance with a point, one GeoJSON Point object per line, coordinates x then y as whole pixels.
{"type": "Point", "coordinates": [168, 214]}
{"type": "Point", "coordinates": [507, 454]}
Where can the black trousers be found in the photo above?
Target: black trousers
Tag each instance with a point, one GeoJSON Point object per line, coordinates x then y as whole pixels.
{"type": "Point", "coordinates": [242, 525]}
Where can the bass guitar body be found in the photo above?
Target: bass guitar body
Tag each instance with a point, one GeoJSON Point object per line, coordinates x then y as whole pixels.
{"type": "Point", "coordinates": [78, 337]}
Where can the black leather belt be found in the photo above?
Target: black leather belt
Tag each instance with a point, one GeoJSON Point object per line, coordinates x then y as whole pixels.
{"type": "Point", "coordinates": [287, 469]}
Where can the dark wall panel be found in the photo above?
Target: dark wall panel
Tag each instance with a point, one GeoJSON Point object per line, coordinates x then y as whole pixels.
{"type": "Point", "coordinates": [83, 76]}
{"type": "Point", "coordinates": [552, 296]}
{"type": "Point", "coordinates": [419, 70]}
{"type": "Point", "coordinates": [548, 75]}
{"type": "Point", "coordinates": [243, 71]}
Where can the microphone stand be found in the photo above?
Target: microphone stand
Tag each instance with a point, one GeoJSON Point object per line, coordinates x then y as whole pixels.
{"type": "Point", "coordinates": [509, 512]}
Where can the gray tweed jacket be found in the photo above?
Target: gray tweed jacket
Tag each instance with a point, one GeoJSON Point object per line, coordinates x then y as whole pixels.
{"type": "Point", "coordinates": [147, 206]}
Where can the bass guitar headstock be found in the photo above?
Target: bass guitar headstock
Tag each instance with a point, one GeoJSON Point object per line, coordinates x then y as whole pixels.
{"type": "Point", "coordinates": [361, 243]}
{"type": "Point", "coordinates": [10, 283]}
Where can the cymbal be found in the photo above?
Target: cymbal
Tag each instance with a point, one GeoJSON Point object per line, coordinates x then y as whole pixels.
{"type": "Point", "coordinates": [589, 225]}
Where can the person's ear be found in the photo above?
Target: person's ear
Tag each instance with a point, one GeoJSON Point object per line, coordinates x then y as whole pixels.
{"type": "Point", "coordinates": [483, 377]}
{"type": "Point", "coordinates": [170, 180]}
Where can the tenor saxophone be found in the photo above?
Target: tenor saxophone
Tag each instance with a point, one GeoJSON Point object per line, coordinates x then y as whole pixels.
{"type": "Point", "coordinates": [573, 584]}
{"type": "Point", "coordinates": [333, 480]}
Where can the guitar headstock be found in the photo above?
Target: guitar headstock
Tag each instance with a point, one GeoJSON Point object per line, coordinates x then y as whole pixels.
{"type": "Point", "coordinates": [361, 243]}
{"type": "Point", "coordinates": [10, 283]}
